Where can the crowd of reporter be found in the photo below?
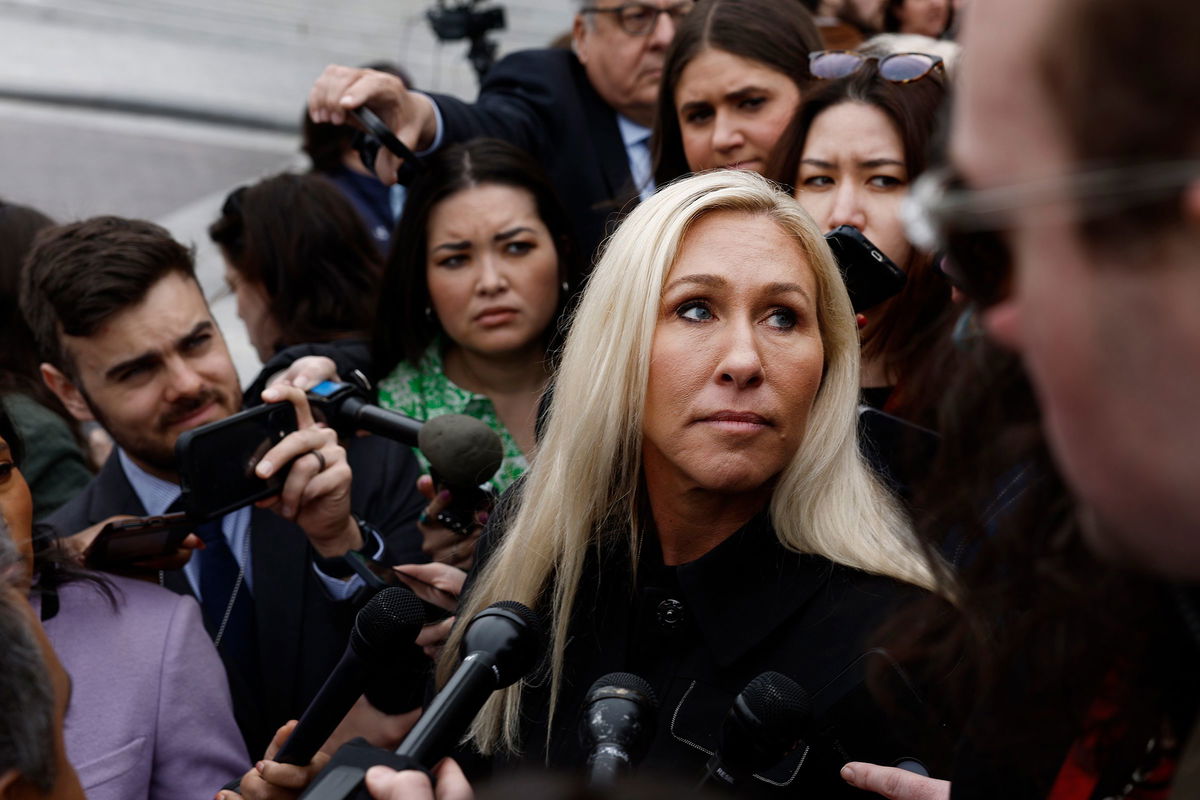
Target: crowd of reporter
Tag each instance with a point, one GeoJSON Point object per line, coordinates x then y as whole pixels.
{"type": "Point", "coordinates": [919, 524]}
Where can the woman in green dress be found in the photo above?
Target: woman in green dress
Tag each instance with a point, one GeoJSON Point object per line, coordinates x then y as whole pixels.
{"type": "Point", "coordinates": [474, 294]}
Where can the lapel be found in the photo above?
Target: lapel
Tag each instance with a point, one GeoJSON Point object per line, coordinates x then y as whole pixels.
{"type": "Point", "coordinates": [605, 134]}
{"type": "Point", "coordinates": [111, 493]}
{"type": "Point", "coordinates": [279, 561]}
{"type": "Point", "coordinates": [748, 586]}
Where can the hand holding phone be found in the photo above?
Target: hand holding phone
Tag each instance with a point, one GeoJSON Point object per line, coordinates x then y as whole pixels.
{"type": "Point", "coordinates": [871, 277]}
{"type": "Point", "coordinates": [136, 545]}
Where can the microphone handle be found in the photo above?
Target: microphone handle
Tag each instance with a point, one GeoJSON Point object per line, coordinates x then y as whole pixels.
{"type": "Point", "coordinates": [451, 712]}
{"type": "Point", "coordinates": [337, 695]}
{"type": "Point", "coordinates": [388, 424]}
{"type": "Point", "coordinates": [607, 764]}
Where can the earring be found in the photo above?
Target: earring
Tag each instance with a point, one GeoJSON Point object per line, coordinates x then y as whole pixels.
{"type": "Point", "coordinates": [566, 286]}
{"type": "Point", "coordinates": [429, 313]}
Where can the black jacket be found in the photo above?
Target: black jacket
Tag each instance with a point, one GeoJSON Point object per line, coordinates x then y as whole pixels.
{"type": "Point", "coordinates": [700, 632]}
{"type": "Point", "coordinates": [543, 102]}
{"type": "Point", "coordinates": [301, 630]}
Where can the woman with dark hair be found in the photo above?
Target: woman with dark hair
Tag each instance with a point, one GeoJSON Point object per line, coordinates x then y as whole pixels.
{"type": "Point", "coordinates": [733, 77]}
{"type": "Point", "coordinates": [300, 262]}
{"type": "Point", "coordinates": [927, 17]}
{"type": "Point", "coordinates": [150, 716]}
{"type": "Point", "coordinates": [60, 468]}
{"type": "Point", "coordinates": [474, 294]}
{"type": "Point", "coordinates": [854, 147]}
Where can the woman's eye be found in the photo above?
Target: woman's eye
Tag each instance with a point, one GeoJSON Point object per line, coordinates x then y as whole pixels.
{"type": "Point", "coordinates": [886, 182]}
{"type": "Point", "coordinates": [6, 470]}
{"type": "Point", "coordinates": [753, 102]}
{"type": "Point", "coordinates": [817, 182]}
{"type": "Point", "coordinates": [452, 261]}
{"type": "Point", "coordinates": [782, 318]}
{"type": "Point", "coordinates": [518, 248]}
{"type": "Point", "coordinates": [697, 116]}
{"type": "Point", "coordinates": [694, 311]}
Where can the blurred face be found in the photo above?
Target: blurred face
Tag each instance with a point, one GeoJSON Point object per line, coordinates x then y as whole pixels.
{"type": "Point", "coordinates": [926, 17]}
{"type": "Point", "coordinates": [153, 371]}
{"type": "Point", "coordinates": [732, 110]}
{"type": "Point", "coordinates": [253, 308]}
{"type": "Point", "coordinates": [625, 68]}
{"type": "Point", "coordinates": [1110, 341]}
{"type": "Point", "coordinates": [736, 359]}
{"type": "Point", "coordinates": [852, 172]}
{"type": "Point", "coordinates": [492, 270]}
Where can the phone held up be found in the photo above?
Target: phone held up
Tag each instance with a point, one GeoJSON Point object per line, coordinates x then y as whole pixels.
{"type": "Point", "coordinates": [216, 461]}
{"type": "Point", "coordinates": [871, 277]}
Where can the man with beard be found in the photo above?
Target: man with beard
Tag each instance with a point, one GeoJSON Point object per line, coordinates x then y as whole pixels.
{"type": "Point", "coordinates": [127, 339]}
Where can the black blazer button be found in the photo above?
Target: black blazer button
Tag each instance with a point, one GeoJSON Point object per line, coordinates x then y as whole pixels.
{"type": "Point", "coordinates": [670, 614]}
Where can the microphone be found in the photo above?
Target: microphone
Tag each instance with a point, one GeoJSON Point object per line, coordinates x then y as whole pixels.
{"type": "Point", "coordinates": [463, 451]}
{"type": "Point", "coordinates": [383, 630]}
{"type": "Point", "coordinates": [619, 715]}
{"type": "Point", "coordinates": [764, 724]}
{"type": "Point", "coordinates": [500, 645]}
{"type": "Point", "coordinates": [400, 690]}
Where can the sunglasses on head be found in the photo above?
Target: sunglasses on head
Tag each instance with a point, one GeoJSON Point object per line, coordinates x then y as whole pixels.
{"type": "Point", "coordinates": [897, 67]}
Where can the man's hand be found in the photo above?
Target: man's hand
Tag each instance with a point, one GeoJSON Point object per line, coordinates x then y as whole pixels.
{"type": "Point", "coordinates": [270, 780]}
{"type": "Point", "coordinates": [439, 542]}
{"type": "Point", "coordinates": [305, 373]}
{"type": "Point", "coordinates": [380, 729]}
{"type": "Point", "coordinates": [316, 495]}
{"type": "Point", "coordinates": [410, 115]}
{"type": "Point", "coordinates": [893, 783]}
{"type": "Point", "coordinates": [387, 784]}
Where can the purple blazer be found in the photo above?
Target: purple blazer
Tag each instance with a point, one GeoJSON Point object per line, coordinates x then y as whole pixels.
{"type": "Point", "coordinates": [150, 715]}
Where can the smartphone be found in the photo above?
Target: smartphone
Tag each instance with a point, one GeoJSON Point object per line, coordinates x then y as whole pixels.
{"type": "Point", "coordinates": [216, 461]}
{"type": "Point", "coordinates": [125, 541]}
{"type": "Point", "coordinates": [871, 277]}
{"type": "Point", "coordinates": [378, 576]}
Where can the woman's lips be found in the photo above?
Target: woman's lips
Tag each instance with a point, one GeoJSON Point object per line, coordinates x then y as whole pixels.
{"type": "Point", "coordinates": [492, 317]}
{"type": "Point", "coordinates": [737, 420]}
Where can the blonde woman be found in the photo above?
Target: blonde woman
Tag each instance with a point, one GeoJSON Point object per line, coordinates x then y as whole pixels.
{"type": "Point", "coordinates": [698, 512]}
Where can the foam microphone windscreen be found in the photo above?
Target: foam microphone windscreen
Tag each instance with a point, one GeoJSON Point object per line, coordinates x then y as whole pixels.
{"type": "Point", "coordinates": [462, 450]}
{"type": "Point", "coordinates": [386, 626]}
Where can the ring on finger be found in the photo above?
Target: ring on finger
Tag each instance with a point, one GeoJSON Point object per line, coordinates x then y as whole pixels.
{"type": "Point", "coordinates": [320, 459]}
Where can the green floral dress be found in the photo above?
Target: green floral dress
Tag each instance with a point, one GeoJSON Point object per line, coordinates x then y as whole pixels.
{"type": "Point", "coordinates": [425, 392]}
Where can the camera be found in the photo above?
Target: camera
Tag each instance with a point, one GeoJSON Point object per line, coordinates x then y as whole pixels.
{"type": "Point", "coordinates": [466, 21]}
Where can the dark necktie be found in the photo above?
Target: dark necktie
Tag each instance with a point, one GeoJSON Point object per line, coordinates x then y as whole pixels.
{"type": "Point", "coordinates": [229, 617]}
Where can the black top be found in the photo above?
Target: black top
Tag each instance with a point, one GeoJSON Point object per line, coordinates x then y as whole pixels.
{"type": "Point", "coordinates": [700, 632]}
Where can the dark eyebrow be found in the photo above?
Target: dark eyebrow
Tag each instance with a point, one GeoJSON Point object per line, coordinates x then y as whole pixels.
{"type": "Point", "coordinates": [816, 162]}
{"type": "Point", "coordinates": [786, 288]}
{"type": "Point", "coordinates": [694, 105]}
{"type": "Point", "coordinates": [745, 90]}
{"type": "Point", "coordinates": [511, 232]}
{"type": "Point", "coordinates": [712, 281]}
{"type": "Point", "coordinates": [869, 164]}
{"type": "Point", "coordinates": [463, 245]}
{"type": "Point", "coordinates": [149, 359]}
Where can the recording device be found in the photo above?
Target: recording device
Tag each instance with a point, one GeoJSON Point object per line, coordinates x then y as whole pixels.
{"type": "Point", "coordinates": [871, 277]}
{"type": "Point", "coordinates": [500, 645]}
{"type": "Point", "coordinates": [125, 541]}
{"type": "Point", "coordinates": [463, 452]}
{"type": "Point", "coordinates": [619, 716]}
{"type": "Point", "coordinates": [216, 461]}
{"type": "Point", "coordinates": [765, 723]}
{"type": "Point", "coordinates": [465, 21]}
{"type": "Point", "coordinates": [376, 134]}
{"type": "Point", "coordinates": [376, 577]}
{"type": "Point", "coordinates": [382, 636]}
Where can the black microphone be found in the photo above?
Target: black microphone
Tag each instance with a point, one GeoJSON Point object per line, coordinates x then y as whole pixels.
{"type": "Point", "coordinates": [383, 631]}
{"type": "Point", "coordinates": [402, 689]}
{"type": "Point", "coordinates": [500, 645]}
{"type": "Point", "coordinates": [619, 715]}
{"type": "Point", "coordinates": [764, 724]}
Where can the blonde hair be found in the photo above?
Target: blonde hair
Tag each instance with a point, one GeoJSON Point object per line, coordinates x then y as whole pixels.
{"type": "Point", "coordinates": [583, 485]}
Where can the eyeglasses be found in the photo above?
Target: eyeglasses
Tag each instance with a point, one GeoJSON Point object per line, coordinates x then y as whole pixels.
{"type": "Point", "coordinates": [969, 225]}
{"type": "Point", "coordinates": [639, 19]}
{"type": "Point", "coordinates": [897, 67]}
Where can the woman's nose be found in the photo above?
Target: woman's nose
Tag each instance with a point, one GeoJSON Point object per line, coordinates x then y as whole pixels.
{"type": "Point", "coordinates": [491, 276]}
{"type": "Point", "coordinates": [847, 209]}
{"type": "Point", "coordinates": [741, 363]}
{"type": "Point", "coordinates": [727, 134]}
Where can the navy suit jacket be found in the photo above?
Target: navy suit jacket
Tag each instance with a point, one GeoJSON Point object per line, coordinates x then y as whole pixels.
{"type": "Point", "coordinates": [302, 631]}
{"type": "Point", "coordinates": [543, 102]}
